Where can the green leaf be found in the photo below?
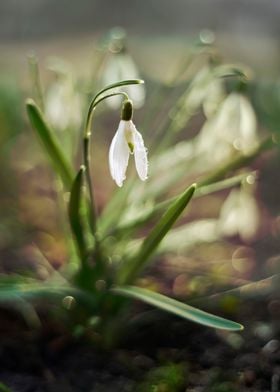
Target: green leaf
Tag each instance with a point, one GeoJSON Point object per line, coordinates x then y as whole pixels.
{"type": "Point", "coordinates": [227, 183]}
{"type": "Point", "coordinates": [239, 162]}
{"type": "Point", "coordinates": [232, 70]}
{"type": "Point", "coordinates": [151, 212]}
{"type": "Point", "coordinates": [9, 298]}
{"type": "Point", "coordinates": [15, 293]}
{"type": "Point", "coordinates": [180, 309]}
{"type": "Point", "coordinates": [131, 268]}
{"type": "Point", "coordinates": [51, 144]}
{"type": "Point", "coordinates": [75, 205]}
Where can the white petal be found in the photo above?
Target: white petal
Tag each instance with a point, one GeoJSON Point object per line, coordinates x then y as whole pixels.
{"type": "Point", "coordinates": [248, 125]}
{"type": "Point", "coordinates": [249, 212]}
{"type": "Point", "coordinates": [137, 94]}
{"type": "Point", "coordinates": [120, 67]}
{"type": "Point", "coordinates": [140, 154]}
{"type": "Point", "coordinates": [239, 215]}
{"type": "Point", "coordinates": [119, 155]}
{"type": "Point", "coordinates": [111, 74]}
{"type": "Point", "coordinates": [229, 215]}
{"type": "Point", "coordinates": [135, 91]}
{"type": "Point", "coordinates": [214, 98]}
{"type": "Point", "coordinates": [236, 121]}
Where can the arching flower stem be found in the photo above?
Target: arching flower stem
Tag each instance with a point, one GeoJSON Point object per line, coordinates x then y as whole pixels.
{"type": "Point", "coordinates": [87, 157]}
{"type": "Point", "coordinates": [86, 150]}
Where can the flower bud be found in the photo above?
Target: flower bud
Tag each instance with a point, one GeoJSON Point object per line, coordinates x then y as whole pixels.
{"type": "Point", "coordinates": [127, 110]}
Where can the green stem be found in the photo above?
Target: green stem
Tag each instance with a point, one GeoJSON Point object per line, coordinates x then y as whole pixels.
{"type": "Point", "coordinates": [50, 143]}
{"type": "Point", "coordinates": [110, 87]}
{"type": "Point", "coordinates": [239, 162]}
{"type": "Point", "coordinates": [87, 157]}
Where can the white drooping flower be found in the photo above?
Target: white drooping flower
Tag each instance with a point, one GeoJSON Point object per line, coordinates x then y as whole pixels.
{"type": "Point", "coordinates": [63, 102]}
{"type": "Point", "coordinates": [126, 141]}
{"type": "Point", "coordinates": [63, 106]}
{"type": "Point", "coordinates": [232, 128]}
{"type": "Point", "coordinates": [240, 214]}
{"type": "Point", "coordinates": [119, 65]}
{"type": "Point", "coordinates": [237, 124]}
{"type": "Point", "coordinates": [214, 98]}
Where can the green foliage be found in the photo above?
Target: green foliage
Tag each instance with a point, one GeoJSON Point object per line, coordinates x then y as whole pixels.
{"type": "Point", "coordinates": [114, 247]}
{"type": "Point", "coordinates": [152, 241]}
{"type": "Point", "coordinates": [180, 309]}
{"type": "Point", "coordinates": [10, 115]}
{"type": "Point", "coordinates": [50, 143]}
{"type": "Point", "coordinates": [75, 205]}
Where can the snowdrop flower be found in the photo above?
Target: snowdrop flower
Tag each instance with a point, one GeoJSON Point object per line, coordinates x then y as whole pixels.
{"type": "Point", "coordinates": [214, 98]}
{"type": "Point", "coordinates": [240, 214]}
{"type": "Point", "coordinates": [237, 124]}
{"type": "Point", "coordinates": [63, 105]}
{"type": "Point", "coordinates": [120, 66]}
{"type": "Point", "coordinates": [198, 90]}
{"type": "Point", "coordinates": [126, 141]}
{"type": "Point", "coordinates": [233, 127]}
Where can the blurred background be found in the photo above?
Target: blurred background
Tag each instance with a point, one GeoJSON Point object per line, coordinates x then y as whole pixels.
{"type": "Point", "coordinates": [245, 30]}
{"type": "Point", "coordinates": [224, 253]}
{"type": "Point", "coordinates": [67, 37]}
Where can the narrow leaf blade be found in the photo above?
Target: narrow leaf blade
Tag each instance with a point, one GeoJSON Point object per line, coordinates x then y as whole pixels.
{"type": "Point", "coordinates": [180, 309]}
{"type": "Point", "coordinates": [150, 213]}
{"type": "Point", "coordinates": [49, 141]}
{"type": "Point", "coordinates": [152, 241]}
{"type": "Point", "coordinates": [33, 291]}
{"type": "Point", "coordinates": [75, 205]}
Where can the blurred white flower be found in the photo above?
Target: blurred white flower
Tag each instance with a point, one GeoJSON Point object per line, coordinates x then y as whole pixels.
{"type": "Point", "coordinates": [233, 127]}
{"type": "Point", "coordinates": [239, 214]}
{"type": "Point", "coordinates": [126, 141]}
{"type": "Point", "coordinates": [63, 105]}
{"type": "Point", "coordinates": [199, 89]}
{"type": "Point", "coordinates": [215, 96]}
{"type": "Point", "coordinates": [120, 66]}
{"type": "Point", "coordinates": [236, 122]}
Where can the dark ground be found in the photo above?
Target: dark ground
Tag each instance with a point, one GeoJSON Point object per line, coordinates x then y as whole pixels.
{"type": "Point", "coordinates": [163, 354]}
